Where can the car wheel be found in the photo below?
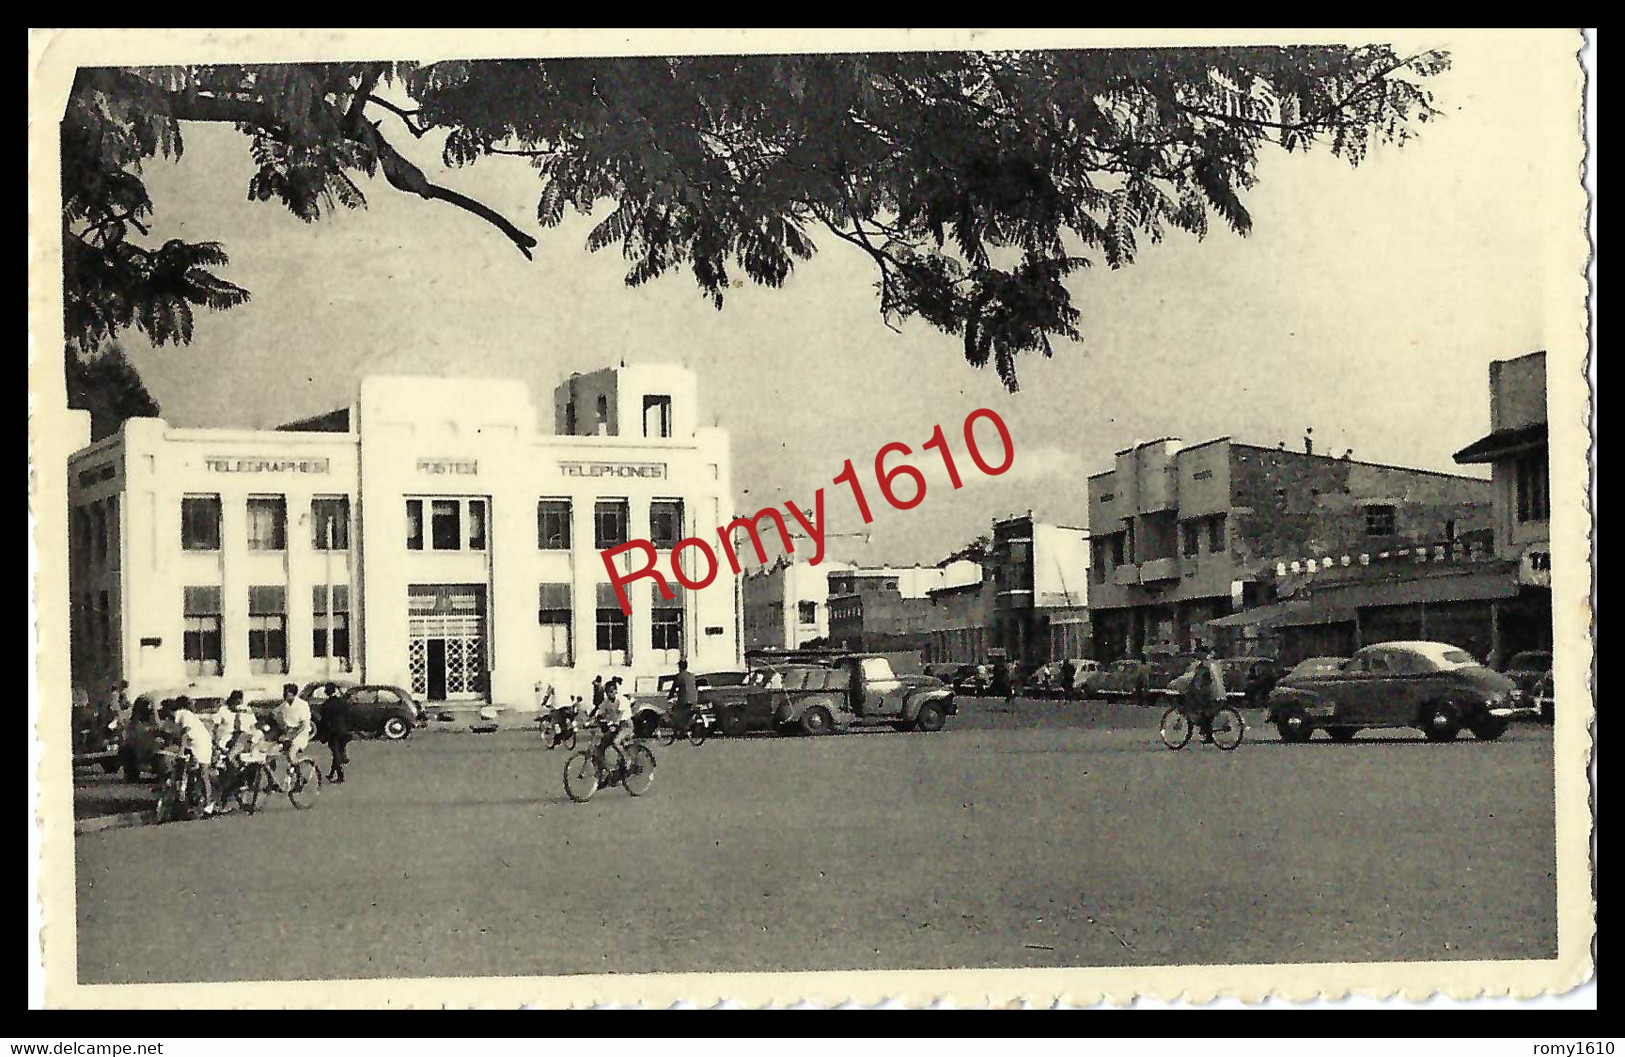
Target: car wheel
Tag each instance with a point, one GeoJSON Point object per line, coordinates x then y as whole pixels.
{"type": "Point", "coordinates": [132, 768]}
{"type": "Point", "coordinates": [646, 723]}
{"type": "Point", "coordinates": [1489, 728]}
{"type": "Point", "coordinates": [1342, 734]}
{"type": "Point", "coordinates": [395, 728]}
{"type": "Point", "coordinates": [733, 722]}
{"type": "Point", "coordinates": [816, 721]}
{"type": "Point", "coordinates": [931, 717]}
{"type": "Point", "coordinates": [1440, 721]}
{"type": "Point", "coordinates": [110, 765]}
{"type": "Point", "coordinates": [1294, 725]}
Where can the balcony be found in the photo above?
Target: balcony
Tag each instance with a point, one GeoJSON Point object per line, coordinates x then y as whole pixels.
{"type": "Point", "coordinates": [1159, 569]}
{"type": "Point", "coordinates": [1126, 575]}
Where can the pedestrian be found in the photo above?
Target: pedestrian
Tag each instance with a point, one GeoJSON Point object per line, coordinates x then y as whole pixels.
{"type": "Point", "coordinates": [1001, 679]}
{"type": "Point", "coordinates": [597, 691]}
{"type": "Point", "coordinates": [336, 725]}
{"type": "Point", "coordinates": [1069, 673]}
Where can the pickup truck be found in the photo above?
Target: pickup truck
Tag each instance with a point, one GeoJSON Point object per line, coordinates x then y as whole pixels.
{"type": "Point", "coordinates": [852, 690]}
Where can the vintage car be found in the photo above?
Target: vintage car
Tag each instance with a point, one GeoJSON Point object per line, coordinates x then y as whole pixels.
{"type": "Point", "coordinates": [651, 696]}
{"type": "Point", "coordinates": [1434, 687]}
{"type": "Point", "coordinates": [853, 690]}
{"type": "Point", "coordinates": [1143, 682]}
{"type": "Point", "coordinates": [1532, 671]}
{"type": "Point", "coordinates": [972, 680]}
{"type": "Point", "coordinates": [390, 712]}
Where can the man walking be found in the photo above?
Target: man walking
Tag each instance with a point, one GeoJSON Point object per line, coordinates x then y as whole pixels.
{"type": "Point", "coordinates": [336, 725]}
{"type": "Point", "coordinates": [686, 690]}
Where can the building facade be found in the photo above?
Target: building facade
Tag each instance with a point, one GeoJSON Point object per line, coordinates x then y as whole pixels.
{"type": "Point", "coordinates": [428, 537]}
{"type": "Point", "coordinates": [1183, 535]}
{"type": "Point", "coordinates": [1516, 451]}
{"type": "Point", "coordinates": [787, 603]}
{"type": "Point", "coordinates": [887, 609]}
{"type": "Point", "coordinates": [1040, 574]}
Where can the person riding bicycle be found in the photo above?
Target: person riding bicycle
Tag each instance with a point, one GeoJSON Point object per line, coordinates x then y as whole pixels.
{"type": "Point", "coordinates": [616, 717]}
{"type": "Point", "coordinates": [295, 726]}
{"type": "Point", "coordinates": [196, 742]}
{"type": "Point", "coordinates": [685, 692]}
{"type": "Point", "coordinates": [1204, 694]}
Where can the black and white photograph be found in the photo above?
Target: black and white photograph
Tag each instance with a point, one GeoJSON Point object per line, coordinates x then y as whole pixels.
{"type": "Point", "coordinates": [551, 518]}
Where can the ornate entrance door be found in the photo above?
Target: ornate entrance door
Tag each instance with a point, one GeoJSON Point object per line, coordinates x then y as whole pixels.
{"type": "Point", "coordinates": [446, 652]}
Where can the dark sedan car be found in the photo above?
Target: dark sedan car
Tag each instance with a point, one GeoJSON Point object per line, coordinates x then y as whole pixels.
{"type": "Point", "coordinates": [1532, 671]}
{"type": "Point", "coordinates": [387, 711]}
{"type": "Point", "coordinates": [1434, 687]}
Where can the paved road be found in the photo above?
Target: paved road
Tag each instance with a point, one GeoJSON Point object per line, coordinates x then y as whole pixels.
{"type": "Point", "coordinates": [1039, 836]}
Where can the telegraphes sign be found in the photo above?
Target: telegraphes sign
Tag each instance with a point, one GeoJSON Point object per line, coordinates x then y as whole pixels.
{"type": "Point", "coordinates": [654, 471]}
{"type": "Point", "coordinates": [249, 464]}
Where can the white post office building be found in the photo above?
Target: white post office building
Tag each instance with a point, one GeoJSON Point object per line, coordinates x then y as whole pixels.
{"type": "Point", "coordinates": [430, 537]}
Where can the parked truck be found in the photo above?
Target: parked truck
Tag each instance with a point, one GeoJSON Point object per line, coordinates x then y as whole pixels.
{"type": "Point", "coordinates": [845, 691]}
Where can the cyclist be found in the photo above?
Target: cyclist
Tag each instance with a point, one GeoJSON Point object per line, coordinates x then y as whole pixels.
{"type": "Point", "coordinates": [615, 717]}
{"type": "Point", "coordinates": [196, 741]}
{"type": "Point", "coordinates": [296, 726]}
{"type": "Point", "coordinates": [685, 691]}
{"type": "Point", "coordinates": [1204, 693]}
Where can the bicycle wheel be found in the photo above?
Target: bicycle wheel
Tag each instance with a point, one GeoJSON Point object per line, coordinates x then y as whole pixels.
{"type": "Point", "coordinates": [670, 732]}
{"type": "Point", "coordinates": [1175, 729]}
{"type": "Point", "coordinates": [581, 776]}
{"type": "Point", "coordinates": [304, 784]}
{"type": "Point", "coordinates": [697, 733]}
{"type": "Point", "coordinates": [167, 803]}
{"type": "Point", "coordinates": [640, 770]}
{"type": "Point", "coordinates": [249, 786]}
{"type": "Point", "coordinates": [568, 739]}
{"type": "Point", "coordinates": [1228, 729]}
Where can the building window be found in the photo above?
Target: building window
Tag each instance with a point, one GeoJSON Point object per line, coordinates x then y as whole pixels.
{"type": "Point", "coordinates": [446, 524]}
{"type": "Point", "coordinates": [666, 631]}
{"type": "Point", "coordinates": [331, 623]}
{"type": "Point", "coordinates": [200, 636]}
{"type": "Point", "coordinates": [1192, 532]}
{"type": "Point", "coordinates": [1215, 533]}
{"type": "Point", "coordinates": [553, 524]}
{"type": "Point", "coordinates": [99, 511]}
{"type": "Point", "coordinates": [476, 524]}
{"type": "Point", "coordinates": [612, 627]}
{"type": "Point", "coordinates": [1379, 520]}
{"type": "Point", "coordinates": [267, 630]}
{"type": "Point", "coordinates": [1118, 544]}
{"type": "Point", "coordinates": [81, 532]}
{"type": "Point", "coordinates": [267, 523]}
{"type": "Point", "coordinates": [1098, 561]}
{"type": "Point", "coordinates": [602, 426]}
{"type": "Point", "coordinates": [200, 523]}
{"type": "Point", "coordinates": [665, 523]}
{"type": "Point", "coordinates": [807, 612]}
{"type": "Point", "coordinates": [609, 523]}
{"type": "Point", "coordinates": [1534, 488]}
{"type": "Point", "coordinates": [570, 417]}
{"type": "Point", "coordinates": [555, 618]}
{"type": "Point", "coordinates": [414, 524]}
{"type": "Point", "coordinates": [657, 416]}
{"type": "Point", "coordinates": [330, 523]}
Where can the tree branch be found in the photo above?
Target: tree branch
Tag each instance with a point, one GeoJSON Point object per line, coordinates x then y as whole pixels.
{"type": "Point", "coordinates": [406, 116]}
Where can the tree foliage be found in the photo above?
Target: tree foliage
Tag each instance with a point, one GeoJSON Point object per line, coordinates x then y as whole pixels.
{"type": "Point", "coordinates": [976, 183]}
{"type": "Point", "coordinates": [109, 387]}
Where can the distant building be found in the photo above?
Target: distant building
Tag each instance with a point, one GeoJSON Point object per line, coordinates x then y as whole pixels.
{"type": "Point", "coordinates": [960, 620]}
{"type": "Point", "coordinates": [1040, 574]}
{"type": "Point", "coordinates": [884, 609]}
{"type": "Point", "coordinates": [787, 603]}
{"type": "Point", "coordinates": [1184, 535]}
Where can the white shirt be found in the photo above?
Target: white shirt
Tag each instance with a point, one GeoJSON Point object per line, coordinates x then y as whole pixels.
{"type": "Point", "coordinates": [195, 734]}
{"type": "Point", "coordinates": [614, 707]}
{"type": "Point", "coordinates": [294, 716]}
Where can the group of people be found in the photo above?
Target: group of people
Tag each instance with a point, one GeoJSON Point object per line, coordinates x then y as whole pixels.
{"type": "Point", "coordinates": [612, 706]}
{"type": "Point", "coordinates": [220, 743]}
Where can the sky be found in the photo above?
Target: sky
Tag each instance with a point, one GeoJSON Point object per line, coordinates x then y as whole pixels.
{"type": "Point", "coordinates": [1366, 303]}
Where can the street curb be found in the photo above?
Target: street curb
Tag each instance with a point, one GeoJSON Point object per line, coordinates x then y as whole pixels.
{"type": "Point", "coordinates": [98, 823]}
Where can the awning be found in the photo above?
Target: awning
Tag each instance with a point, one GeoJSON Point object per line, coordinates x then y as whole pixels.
{"type": "Point", "coordinates": [1504, 442]}
{"type": "Point", "coordinates": [1293, 613]}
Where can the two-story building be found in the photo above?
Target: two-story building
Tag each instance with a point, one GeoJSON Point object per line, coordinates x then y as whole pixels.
{"type": "Point", "coordinates": [887, 608]}
{"type": "Point", "coordinates": [428, 536]}
{"type": "Point", "coordinates": [1040, 573]}
{"type": "Point", "coordinates": [1184, 534]}
{"type": "Point", "coordinates": [787, 603]}
{"type": "Point", "coordinates": [1515, 449]}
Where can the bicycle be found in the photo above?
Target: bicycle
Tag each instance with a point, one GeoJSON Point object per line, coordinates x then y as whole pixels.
{"type": "Point", "coordinates": [258, 780]}
{"type": "Point", "coordinates": [558, 727]}
{"type": "Point", "coordinates": [180, 794]}
{"type": "Point", "coordinates": [1178, 725]}
{"type": "Point", "coordinates": [586, 772]}
{"type": "Point", "coordinates": [696, 730]}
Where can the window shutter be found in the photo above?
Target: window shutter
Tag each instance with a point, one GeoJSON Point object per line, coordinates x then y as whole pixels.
{"type": "Point", "coordinates": [267, 601]}
{"type": "Point", "coordinates": [676, 600]}
{"type": "Point", "coordinates": [555, 596]}
{"type": "Point", "coordinates": [202, 601]}
{"type": "Point", "coordinates": [607, 598]}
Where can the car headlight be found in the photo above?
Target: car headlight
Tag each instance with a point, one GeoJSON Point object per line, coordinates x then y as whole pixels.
{"type": "Point", "coordinates": [1515, 694]}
